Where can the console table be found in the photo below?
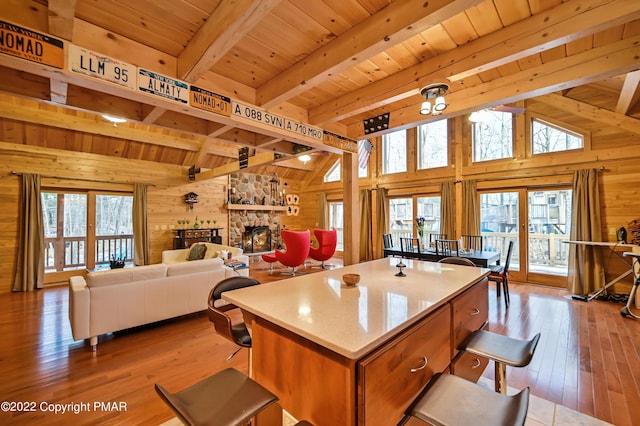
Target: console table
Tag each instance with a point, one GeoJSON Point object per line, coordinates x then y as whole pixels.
{"type": "Point", "coordinates": [185, 237]}
{"type": "Point", "coordinates": [357, 356]}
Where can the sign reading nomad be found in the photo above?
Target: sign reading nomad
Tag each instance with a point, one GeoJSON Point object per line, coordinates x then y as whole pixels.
{"type": "Point", "coordinates": [341, 142]}
{"type": "Point", "coordinates": [30, 45]}
{"type": "Point", "coordinates": [210, 101]}
{"type": "Point", "coordinates": [160, 85]}
{"type": "Point", "coordinates": [256, 114]}
{"type": "Point", "coordinates": [83, 61]}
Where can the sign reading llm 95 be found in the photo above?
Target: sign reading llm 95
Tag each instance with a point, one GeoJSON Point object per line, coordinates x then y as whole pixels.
{"type": "Point", "coordinates": [83, 61]}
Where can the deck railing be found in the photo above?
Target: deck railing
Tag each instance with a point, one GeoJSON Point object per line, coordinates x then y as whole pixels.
{"type": "Point", "coordinates": [69, 253]}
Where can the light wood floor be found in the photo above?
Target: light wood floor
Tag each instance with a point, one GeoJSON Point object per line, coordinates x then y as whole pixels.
{"type": "Point", "coordinates": [588, 358]}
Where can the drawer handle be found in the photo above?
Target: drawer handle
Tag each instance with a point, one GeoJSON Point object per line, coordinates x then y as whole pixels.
{"type": "Point", "coordinates": [477, 363]}
{"type": "Point", "coordinates": [425, 361]}
{"type": "Point", "coordinates": [475, 312]}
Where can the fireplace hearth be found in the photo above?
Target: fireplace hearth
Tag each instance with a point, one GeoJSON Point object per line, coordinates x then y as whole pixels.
{"type": "Point", "coordinates": [256, 239]}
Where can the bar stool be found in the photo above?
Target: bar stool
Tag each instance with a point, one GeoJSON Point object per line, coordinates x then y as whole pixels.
{"type": "Point", "coordinates": [452, 400]}
{"type": "Point", "coordinates": [502, 350]}
{"type": "Point", "coordinates": [225, 398]}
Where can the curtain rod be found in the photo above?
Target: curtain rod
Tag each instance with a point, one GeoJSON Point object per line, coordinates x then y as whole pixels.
{"type": "Point", "coordinates": [15, 173]}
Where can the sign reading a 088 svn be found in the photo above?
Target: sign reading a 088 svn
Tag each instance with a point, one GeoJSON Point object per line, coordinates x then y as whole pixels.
{"type": "Point", "coordinates": [83, 61]}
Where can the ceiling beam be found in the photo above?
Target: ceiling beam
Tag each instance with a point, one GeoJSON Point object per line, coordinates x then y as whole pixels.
{"type": "Point", "coordinates": [395, 23]}
{"type": "Point", "coordinates": [630, 93]}
{"type": "Point", "coordinates": [61, 16]}
{"type": "Point", "coordinates": [260, 159]}
{"type": "Point", "coordinates": [222, 30]}
{"type": "Point", "coordinates": [564, 23]}
{"type": "Point", "coordinates": [591, 112]}
{"type": "Point", "coordinates": [602, 62]}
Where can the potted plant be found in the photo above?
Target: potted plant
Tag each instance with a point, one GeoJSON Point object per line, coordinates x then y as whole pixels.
{"type": "Point", "coordinates": [116, 262]}
{"type": "Point", "coordinates": [420, 222]}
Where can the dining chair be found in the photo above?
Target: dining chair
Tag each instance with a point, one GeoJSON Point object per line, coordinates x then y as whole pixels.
{"type": "Point", "coordinates": [387, 241]}
{"type": "Point", "coordinates": [434, 237]}
{"type": "Point", "coordinates": [472, 242]}
{"type": "Point", "coordinates": [447, 248]}
{"type": "Point", "coordinates": [500, 275]}
{"type": "Point", "coordinates": [409, 246]}
{"type": "Point", "coordinates": [457, 261]}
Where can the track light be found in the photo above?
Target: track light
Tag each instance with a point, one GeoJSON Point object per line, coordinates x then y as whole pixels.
{"type": "Point", "coordinates": [437, 92]}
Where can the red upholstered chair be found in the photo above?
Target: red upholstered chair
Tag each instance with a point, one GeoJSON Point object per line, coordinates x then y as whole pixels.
{"type": "Point", "coordinates": [298, 244]}
{"type": "Point", "coordinates": [270, 259]}
{"type": "Point", "coordinates": [327, 241]}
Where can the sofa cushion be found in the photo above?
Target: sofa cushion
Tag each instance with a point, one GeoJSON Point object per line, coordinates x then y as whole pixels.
{"type": "Point", "coordinates": [197, 252]}
{"type": "Point", "coordinates": [193, 267]}
{"type": "Point", "coordinates": [109, 277]}
{"type": "Point", "coordinates": [149, 272]}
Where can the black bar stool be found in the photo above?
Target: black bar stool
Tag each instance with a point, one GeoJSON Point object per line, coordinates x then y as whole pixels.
{"type": "Point", "coordinates": [502, 350]}
{"type": "Point", "coordinates": [227, 398]}
{"type": "Point", "coordinates": [451, 400]}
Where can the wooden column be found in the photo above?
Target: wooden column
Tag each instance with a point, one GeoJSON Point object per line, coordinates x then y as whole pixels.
{"type": "Point", "coordinates": [351, 209]}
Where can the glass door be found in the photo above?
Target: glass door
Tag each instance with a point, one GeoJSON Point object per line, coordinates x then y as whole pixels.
{"type": "Point", "coordinates": [336, 220]}
{"type": "Point", "coordinates": [500, 224]}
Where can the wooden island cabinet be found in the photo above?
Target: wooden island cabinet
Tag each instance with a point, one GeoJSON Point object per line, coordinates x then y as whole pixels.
{"type": "Point", "coordinates": [358, 356]}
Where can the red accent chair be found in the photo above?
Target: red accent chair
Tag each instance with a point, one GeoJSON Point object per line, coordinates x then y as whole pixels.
{"type": "Point", "coordinates": [298, 244]}
{"type": "Point", "coordinates": [327, 241]}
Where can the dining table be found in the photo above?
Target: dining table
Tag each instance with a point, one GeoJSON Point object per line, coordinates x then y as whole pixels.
{"type": "Point", "coordinates": [479, 258]}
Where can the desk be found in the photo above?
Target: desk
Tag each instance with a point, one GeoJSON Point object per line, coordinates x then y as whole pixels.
{"type": "Point", "coordinates": [342, 356]}
{"type": "Point", "coordinates": [612, 247]}
{"type": "Point", "coordinates": [480, 258]}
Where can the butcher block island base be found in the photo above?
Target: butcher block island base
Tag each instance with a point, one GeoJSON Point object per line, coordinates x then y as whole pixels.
{"type": "Point", "coordinates": [358, 356]}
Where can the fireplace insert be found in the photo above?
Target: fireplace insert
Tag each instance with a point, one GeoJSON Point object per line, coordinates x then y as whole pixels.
{"type": "Point", "coordinates": [256, 239]}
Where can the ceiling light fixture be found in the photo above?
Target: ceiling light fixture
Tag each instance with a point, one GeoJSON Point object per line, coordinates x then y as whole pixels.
{"type": "Point", "coordinates": [434, 91]}
{"type": "Point", "coordinates": [305, 158]}
{"type": "Point", "coordinates": [479, 116]}
{"type": "Point", "coordinates": [113, 119]}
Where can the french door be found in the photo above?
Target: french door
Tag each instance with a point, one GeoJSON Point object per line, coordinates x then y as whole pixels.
{"type": "Point", "coordinates": [538, 221]}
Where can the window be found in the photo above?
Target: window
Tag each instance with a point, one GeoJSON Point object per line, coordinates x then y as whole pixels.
{"type": "Point", "coordinates": [334, 173]}
{"type": "Point", "coordinates": [546, 137]}
{"type": "Point", "coordinates": [394, 152]}
{"type": "Point", "coordinates": [499, 224]}
{"type": "Point", "coordinates": [493, 137]}
{"type": "Point", "coordinates": [432, 145]}
{"type": "Point", "coordinates": [336, 220]}
{"type": "Point", "coordinates": [69, 230]}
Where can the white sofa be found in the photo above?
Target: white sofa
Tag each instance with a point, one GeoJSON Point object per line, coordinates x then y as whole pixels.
{"type": "Point", "coordinates": [117, 299]}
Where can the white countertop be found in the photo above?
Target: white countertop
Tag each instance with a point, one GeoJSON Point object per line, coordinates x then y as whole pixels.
{"type": "Point", "coordinates": [353, 321]}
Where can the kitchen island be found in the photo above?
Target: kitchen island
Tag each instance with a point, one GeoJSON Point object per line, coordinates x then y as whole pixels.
{"type": "Point", "coordinates": [345, 356]}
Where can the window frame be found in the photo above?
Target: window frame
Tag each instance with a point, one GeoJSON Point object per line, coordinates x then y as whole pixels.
{"type": "Point", "coordinates": [586, 136]}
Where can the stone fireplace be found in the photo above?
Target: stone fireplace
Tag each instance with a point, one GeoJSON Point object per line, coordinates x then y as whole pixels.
{"type": "Point", "coordinates": [242, 223]}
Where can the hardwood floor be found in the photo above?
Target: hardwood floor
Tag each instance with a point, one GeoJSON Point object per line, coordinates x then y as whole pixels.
{"type": "Point", "coordinates": [588, 358]}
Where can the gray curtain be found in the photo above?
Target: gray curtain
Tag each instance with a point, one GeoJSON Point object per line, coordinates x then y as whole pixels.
{"type": "Point", "coordinates": [586, 273]}
{"type": "Point", "coordinates": [448, 210]}
{"type": "Point", "coordinates": [30, 259]}
{"type": "Point", "coordinates": [323, 219]}
{"type": "Point", "coordinates": [140, 225]}
{"type": "Point", "coordinates": [470, 207]}
{"type": "Point", "coordinates": [366, 233]}
{"type": "Point", "coordinates": [382, 224]}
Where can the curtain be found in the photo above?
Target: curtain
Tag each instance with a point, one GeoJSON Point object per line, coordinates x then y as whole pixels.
{"type": "Point", "coordinates": [470, 207]}
{"type": "Point", "coordinates": [448, 210]}
{"type": "Point", "coordinates": [323, 220]}
{"type": "Point", "coordinates": [366, 233]}
{"type": "Point", "coordinates": [382, 224]}
{"type": "Point", "coordinates": [30, 259]}
{"type": "Point", "coordinates": [140, 225]}
{"type": "Point", "coordinates": [586, 273]}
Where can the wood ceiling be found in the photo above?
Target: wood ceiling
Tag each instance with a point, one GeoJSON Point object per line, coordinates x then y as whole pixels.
{"type": "Point", "coordinates": [328, 63]}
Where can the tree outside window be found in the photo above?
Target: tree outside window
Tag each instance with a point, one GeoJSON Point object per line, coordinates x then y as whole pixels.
{"type": "Point", "coordinates": [394, 152]}
{"type": "Point", "coordinates": [493, 137]}
{"type": "Point", "coordinates": [546, 137]}
{"type": "Point", "coordinates": [432, 145]}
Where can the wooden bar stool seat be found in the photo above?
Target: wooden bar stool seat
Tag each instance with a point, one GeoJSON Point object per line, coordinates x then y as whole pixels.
{"type": "Point", "coordinates": [452, 400]}
{"type": "Point", "coordinates": [226, 398]}
{"type": "Point", "coordinates": [502, 350]}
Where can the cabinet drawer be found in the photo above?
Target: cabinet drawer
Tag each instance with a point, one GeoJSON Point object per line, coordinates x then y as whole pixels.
{"type": "Point", "coordinates": [469, 366]}
{"type": "Point", "coordinates": [470, 311]}
{"type": "Point", "coordinates": [386, 383]}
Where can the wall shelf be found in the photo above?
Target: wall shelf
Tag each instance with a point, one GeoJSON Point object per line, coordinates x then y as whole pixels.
{"type": "Point", "coordinates": [255, 207]}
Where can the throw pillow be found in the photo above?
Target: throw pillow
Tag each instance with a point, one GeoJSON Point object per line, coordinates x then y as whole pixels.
{"type": "Point", "coordinates": [197, 252]}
